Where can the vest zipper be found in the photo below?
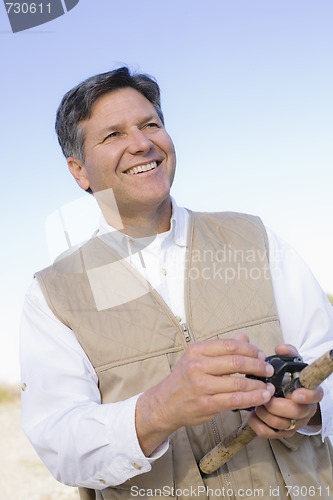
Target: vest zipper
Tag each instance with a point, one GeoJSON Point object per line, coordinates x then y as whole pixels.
{"type": "Point", "coordinates": [224, 477]}
{"type": "Point", "coordinates": [186, 332]}
{"type": "Point", "coordinates": [224, 468]}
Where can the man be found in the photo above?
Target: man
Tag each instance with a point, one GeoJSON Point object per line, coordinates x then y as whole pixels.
{"type": "Point", "coordinates": [130, 370]}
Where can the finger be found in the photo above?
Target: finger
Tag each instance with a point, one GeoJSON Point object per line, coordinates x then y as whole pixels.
{"type": "Point", "coordinates": [307, 396]}
{"type": "Point", "coordinates": [242, 336]}
{"type": "Point", "coordinates": [278, 411]}
{"type": "Point", "coordinates": [234, 364]}
{"type": "Point", "coordinates": [210, 384]}
{"type": "Point", "coordinates": [245, 338]}
{"type": "Point", "coordinates": [275, 428]}
{"type": "Point", "coordinates": [286, 349]}
{"type": "Point", "coordinates": [261, 428]}
{"type": "Point", "coordinates": [221, 347]}
{"type": "Point", "coordinates": [277, 423]}
{"type": "Point", "coordinates": [240, 400]}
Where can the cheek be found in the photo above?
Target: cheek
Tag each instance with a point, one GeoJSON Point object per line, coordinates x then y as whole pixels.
{"type": "Point", "coordinates": [169, 148]}
{"type": "Point", "coordinates": [170, 143]}
{"type": "Point", "coordinates": [103, 165]}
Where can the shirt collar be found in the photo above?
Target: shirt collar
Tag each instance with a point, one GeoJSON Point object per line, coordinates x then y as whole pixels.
{"type": "Point", "coordinates": [177, 232]}
{"type": "Point", "coordinates": [179, 224]}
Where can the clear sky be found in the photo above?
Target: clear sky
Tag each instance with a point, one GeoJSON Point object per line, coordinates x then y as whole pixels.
{"type": "Point", "coordinates": [247, 97]}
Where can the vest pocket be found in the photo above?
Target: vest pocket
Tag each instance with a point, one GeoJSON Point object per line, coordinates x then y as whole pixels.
{"type": "Point", "coordinates": [130, 378]}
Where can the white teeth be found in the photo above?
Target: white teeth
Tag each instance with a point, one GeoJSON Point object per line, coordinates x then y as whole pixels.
{"type": "Point", "coordinates": [142, 168]}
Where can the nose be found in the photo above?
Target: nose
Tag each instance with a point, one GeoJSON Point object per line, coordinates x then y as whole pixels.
{"type": "Point", "coordinates": [138, 142]}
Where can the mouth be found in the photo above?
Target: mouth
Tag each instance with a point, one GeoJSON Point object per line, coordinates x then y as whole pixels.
{"type": "Point", "coordinates": [142, 168]}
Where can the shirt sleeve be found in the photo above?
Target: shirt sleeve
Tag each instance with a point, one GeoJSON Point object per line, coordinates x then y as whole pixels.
{"type": "Point", "coordinates": [81, 441]}
{"type": "Point", "coordinates": [305, 313]}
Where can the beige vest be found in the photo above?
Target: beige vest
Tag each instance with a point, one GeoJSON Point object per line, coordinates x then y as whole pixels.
{"type": "Point", "coordinates": [133, 340]}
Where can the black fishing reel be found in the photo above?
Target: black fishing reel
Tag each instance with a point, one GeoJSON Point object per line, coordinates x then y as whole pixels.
{"type": "Point", "coordinates": [286, 373]}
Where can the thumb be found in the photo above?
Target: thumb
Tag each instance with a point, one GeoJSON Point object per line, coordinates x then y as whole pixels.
{"type": "Point", "coordinates": [242, 336]}
{"type": "Point", "coordinates": [286, 349]}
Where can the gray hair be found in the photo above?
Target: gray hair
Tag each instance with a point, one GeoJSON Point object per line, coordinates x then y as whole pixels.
{"type": "Point", "coordinates": [78, 102]}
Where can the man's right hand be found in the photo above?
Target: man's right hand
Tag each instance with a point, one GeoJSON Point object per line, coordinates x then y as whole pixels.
{"type": "Point", "coordinates": [203, 384]}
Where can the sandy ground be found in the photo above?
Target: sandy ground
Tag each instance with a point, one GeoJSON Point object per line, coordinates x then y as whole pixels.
{"type": "Point", "coordinates": [22, 475]}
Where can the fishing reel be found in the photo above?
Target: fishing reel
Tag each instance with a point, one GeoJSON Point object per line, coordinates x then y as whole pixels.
{"type": "Point", "coordinates": [286, 374]}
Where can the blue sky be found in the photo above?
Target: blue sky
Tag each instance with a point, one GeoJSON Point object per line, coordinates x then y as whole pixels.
{"type": "Point", "coordinates": [247, 97]}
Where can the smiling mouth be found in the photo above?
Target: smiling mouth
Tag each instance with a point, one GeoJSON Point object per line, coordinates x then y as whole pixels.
{"type": "Point", "coordinates": [142, 168]}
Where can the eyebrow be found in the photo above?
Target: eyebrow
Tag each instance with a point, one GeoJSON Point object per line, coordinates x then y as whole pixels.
{"type": "Point", "coordinates": [118, 126]}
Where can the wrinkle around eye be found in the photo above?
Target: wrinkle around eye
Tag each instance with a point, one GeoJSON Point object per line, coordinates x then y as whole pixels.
{"type": "Point", "coordinates": [112, 135]}
{"type": "Point", "coordinates": [152, 125]}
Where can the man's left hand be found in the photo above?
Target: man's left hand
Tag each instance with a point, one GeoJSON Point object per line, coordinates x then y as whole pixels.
{"type": "Point", "coordinates": [282, 417]}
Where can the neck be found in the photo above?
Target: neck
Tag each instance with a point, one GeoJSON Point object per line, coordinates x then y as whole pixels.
{"type": "Point", "coordinates": [141, 222]}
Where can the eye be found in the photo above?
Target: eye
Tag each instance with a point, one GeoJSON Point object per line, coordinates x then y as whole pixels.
{"type": "Point", "coordinates": [152, 125]}
{"type": "Point", "coordinates": [111, 135]}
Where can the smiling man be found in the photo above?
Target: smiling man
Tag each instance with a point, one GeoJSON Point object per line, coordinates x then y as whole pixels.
{"type": "Point", "coordinates": [135, 347]}
{"type": "Point", "coordinates": [127, 149]}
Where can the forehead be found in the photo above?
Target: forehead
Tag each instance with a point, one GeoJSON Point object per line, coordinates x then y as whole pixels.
{"type": "Point", "coordinates": [120, 104]}
{"type": "Point", "coordinates": [114, 110]}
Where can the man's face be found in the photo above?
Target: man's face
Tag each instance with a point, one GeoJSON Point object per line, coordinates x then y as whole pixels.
{"type": "Point", "coordinates": [127, 149]}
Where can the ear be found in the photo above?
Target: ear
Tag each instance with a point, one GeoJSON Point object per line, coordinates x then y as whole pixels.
{"type": "Point", "coordinates": [78, 171]}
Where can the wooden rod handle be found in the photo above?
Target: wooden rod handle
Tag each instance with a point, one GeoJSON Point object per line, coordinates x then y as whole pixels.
{"type": "Point", "coordinates": [310, 377]}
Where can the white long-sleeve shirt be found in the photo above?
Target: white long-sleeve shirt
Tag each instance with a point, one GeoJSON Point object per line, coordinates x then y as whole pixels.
{"type": "Point", "coordinates": [89, 444]}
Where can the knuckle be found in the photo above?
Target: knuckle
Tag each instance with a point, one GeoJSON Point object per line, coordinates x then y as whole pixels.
{"type": "Point", "coordinates": [230, 345]}
{"type": "Point", "coordinates": [192, 351]}
{"type": "Point", "coordinates": [236, 400]}
{"type": "Point", "coordinates": [241, 383]}
{"type": "Point", "coordinates": [312, 410]}
{"type": "Point", "coordinates": [192, 369]}
{"type": "Point", "coordinates": [237, 363]}
{"type": "Point", "coordinates": [209, 405]}
{"type": "Point", "coordinates": [199, 384]}
{"type": "Point", "coordinates": [276, 423]}
{"type": "Point", "coordinates": [194, 373]}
